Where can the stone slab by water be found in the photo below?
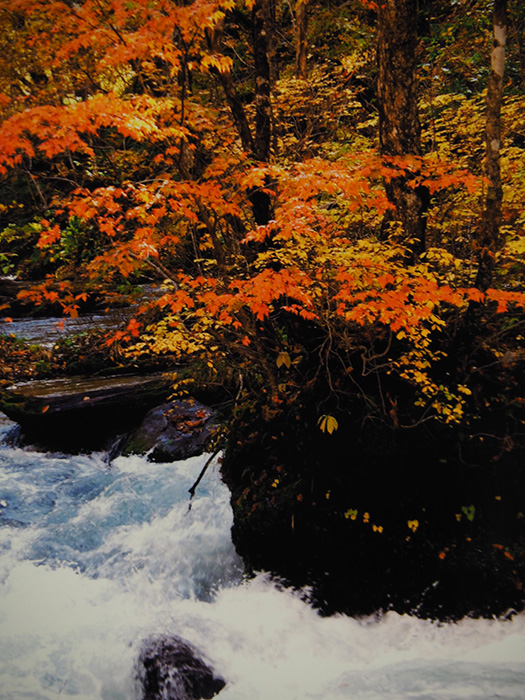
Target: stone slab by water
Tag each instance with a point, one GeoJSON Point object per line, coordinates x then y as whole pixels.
{"type": "Point", "coordinates": [82, 412]}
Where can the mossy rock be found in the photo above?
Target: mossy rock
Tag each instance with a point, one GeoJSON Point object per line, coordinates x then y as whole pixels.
{"type": "Point", "coordinates": [174, 431]}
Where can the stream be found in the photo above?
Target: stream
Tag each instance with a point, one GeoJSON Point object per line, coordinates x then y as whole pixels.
{"type": "Point", "coordinates": [95, 558]}
{"type": "Point", "coordinates": [46, 331]}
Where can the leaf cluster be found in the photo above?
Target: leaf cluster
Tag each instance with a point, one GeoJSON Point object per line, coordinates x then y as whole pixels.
{"type": "Point", "coordinates": [134, 168]}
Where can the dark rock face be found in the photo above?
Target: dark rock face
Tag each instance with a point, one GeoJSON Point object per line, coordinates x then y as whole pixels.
{"type": "Point", "coordinates": [75, 413]}
{"type": "Point", "coordinates": [373, 520]}
{"type": "Point", "coordinates": [173, 431]}
{"type": "Point", "coordinates": [83, 413]}
{"type": "Point", "coordinates": [171, 669]}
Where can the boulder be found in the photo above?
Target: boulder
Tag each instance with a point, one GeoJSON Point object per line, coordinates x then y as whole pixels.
{"type": "Point", "coordinates": [171, 669]}
{"type": "Point", "coordinates": [173, 431]}
{"type": "Point", "coordinates": [74, 413]}
{"type": "Point", "coordinates": [369, 519]}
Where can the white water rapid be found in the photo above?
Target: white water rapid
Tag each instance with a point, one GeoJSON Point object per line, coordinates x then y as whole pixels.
{"type": "Point", "coordinates": [95, 558]}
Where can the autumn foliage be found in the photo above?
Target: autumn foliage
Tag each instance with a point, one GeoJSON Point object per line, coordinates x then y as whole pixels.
{"type": "Point", "coordinates": [122, 125]}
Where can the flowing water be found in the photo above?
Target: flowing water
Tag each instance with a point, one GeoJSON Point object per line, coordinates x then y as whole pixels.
{"type": "Point", "coordinates": [47, 331]}
{"type": "Point", "coordinates": [95, 558]}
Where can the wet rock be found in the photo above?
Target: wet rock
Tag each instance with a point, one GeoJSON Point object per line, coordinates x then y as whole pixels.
{"type": "Point", "coordinates": [171, 669]}
{"type": "Point", "coordinates": [75, 413]}
{"type": "Point", "coordinates": [173, 431]}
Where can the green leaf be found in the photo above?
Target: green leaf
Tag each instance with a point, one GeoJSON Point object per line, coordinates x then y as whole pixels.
{"type": "Point", "coordinates": [469, 511]}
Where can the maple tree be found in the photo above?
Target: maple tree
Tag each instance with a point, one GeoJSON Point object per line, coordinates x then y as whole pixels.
{"type": "Point", "coordinates": [126, 127]}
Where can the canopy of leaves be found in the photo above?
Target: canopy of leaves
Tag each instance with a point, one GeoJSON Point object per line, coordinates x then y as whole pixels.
{"type": "Point", "coordinates": [122, 161]}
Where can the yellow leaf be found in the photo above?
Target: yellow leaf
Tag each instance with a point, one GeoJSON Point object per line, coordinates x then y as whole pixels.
{"type": "Point", "coordinates": [351, 514]}
{"type": "Point", "coordinates": [283, 358]}
{"type": "Point", "coordinates": [517, 246]}
{"type": "Point", "coordinates": [328, 424]}
{"type": "Point", "coordinates": [223, 64]}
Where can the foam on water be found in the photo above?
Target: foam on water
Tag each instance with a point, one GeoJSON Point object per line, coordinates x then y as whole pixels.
{"type": "Point", "coordinates": [95, 558]}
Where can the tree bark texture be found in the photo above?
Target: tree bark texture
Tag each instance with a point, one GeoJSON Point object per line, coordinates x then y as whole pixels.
{"type": "Point", "coordinates": [399, 128]}
{"type": "Point", "coordinates": [301, 43]}
{"type": "Point", "coordinates": [490, 240]}
{"type": "Point", "coordinates": [262, 22]}
{"type": "Point", "coordinates": [261, 53]}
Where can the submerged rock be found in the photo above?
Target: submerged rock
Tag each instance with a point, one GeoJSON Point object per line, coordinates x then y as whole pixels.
{"type": "Point", "coordinates": [171, 669]}
{"type": "Point", "coordinates": [173, 431]}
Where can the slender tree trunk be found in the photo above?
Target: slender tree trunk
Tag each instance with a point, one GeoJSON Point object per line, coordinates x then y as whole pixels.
{"type": "Point", "coordinates": [399, 128]}
{"type": "Point", "coordinates": [230, 92]}
{"type": "Point", "coordinates": [237, 110]}
{"type": "Point", "coordinates": [261, 18]}
{"type": "Point", "coordinates": [261, 53]}
{"type": "Point", "coordinates": [490, 240]}
{"type": "Point", "coordinates": [301, 44]}
{"type": "Point", "coordinates": [256, 144]}
{"type": "Point", "coordinates": [271, 28]}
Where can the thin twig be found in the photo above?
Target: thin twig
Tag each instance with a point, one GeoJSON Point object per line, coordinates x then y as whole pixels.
{"type": "Point", "coordinates": [199, 478]}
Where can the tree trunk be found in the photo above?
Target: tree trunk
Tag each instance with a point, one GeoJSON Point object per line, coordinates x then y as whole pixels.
{"type": "Point", "coordinates": [237, 110]}
{"type": "Point", "coordinates": [490, 240]}
{"type": "Point", "coordinates": [301, 44]}
{"type": "Point", "coordinates": [261, 53]}
{"type": "Point", "coordinates": [230, 92]}
{"type": "Point", "coordinates": [258, 144]}
{"type": "Point", "coordinates": [261, 17]}
{"type": "Point", "coordinates": [399, 128]}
